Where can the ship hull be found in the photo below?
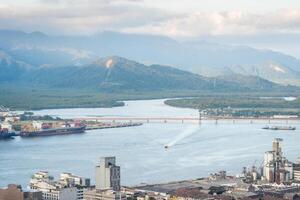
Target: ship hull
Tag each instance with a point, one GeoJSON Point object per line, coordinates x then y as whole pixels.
{"type": "Point", "coordinates": [6, 135]}
{"type": "Point", "coordinates": [280, 128]}
{"type": "Point", "coordinates": [51, 132]}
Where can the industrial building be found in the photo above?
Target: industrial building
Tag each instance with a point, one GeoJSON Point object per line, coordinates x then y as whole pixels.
{"type": "Point", "coordinates": [276, 168]}
{"type": "Point", "coordinates": [297, 171]}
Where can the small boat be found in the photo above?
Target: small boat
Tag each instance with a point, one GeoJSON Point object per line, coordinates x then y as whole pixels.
{"type": "Point", "coordinates": [287, 128]}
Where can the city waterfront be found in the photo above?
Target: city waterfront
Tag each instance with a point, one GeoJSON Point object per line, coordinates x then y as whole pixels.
{"type": "Point", "coordinates": [140, 150]}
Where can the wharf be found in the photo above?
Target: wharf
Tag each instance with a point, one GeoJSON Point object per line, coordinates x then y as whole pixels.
{"type": "Point", "coordinates": [114, 125]}
{"type": "Point", "coordinates": [203, 183]}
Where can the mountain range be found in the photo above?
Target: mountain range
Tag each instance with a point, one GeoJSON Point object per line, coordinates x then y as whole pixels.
{"type": "Point", "coordinates": [38, 50]}
{"type": "Point", "coordinates": [117, 74]}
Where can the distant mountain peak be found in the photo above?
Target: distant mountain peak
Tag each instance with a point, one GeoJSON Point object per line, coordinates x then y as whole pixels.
{"type": "Point", "coordinates": [4, 57]}
{"type": "Point", "coordinates": [112, 61]}
{"type": "Point", "coordinates": [109, 63]}
{"type": "Point", "coordinates": [38, 49]}
{"type": "Point", "coordinates": [38, 34]}
{"type": "Point", "coordinates": [277, 68]}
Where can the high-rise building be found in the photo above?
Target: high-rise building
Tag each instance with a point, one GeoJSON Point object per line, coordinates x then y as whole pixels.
{"type": "Point", "coordinates": [107, 182]}
{"type": "Point", "coordinates": [277, 146]}
{"type": "Point", "coordinates": [108, 174]}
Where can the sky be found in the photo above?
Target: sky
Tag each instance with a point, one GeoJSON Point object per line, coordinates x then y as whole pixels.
{"type": "Point", "coordinates": [173, 18]}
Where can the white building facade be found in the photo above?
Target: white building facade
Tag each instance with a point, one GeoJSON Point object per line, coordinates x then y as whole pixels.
{"type": "Point", "coordinates": [108, 174]}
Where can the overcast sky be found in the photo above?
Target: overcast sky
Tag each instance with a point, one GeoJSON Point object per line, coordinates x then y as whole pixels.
{"type": "Point", "coordinates": [175, 18]}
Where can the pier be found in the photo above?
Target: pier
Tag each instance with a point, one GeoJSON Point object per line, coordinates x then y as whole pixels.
{"type": "Point", "coordinates": [114, 125]}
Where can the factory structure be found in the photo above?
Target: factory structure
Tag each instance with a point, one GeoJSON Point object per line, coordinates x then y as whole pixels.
{"type": "Point", "coordinates": [276, 178]}
{"type": "Point", "coordinates": [275, 168]}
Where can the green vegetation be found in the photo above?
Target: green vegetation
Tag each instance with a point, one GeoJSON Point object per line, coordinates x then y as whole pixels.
{"type": "Point", "coordinates": [34, 98]}
{"type": "Point", "coordinates": [26, 98]}
{"type": "Point", "coordinates": [239, 105]}
{"type": "Point", "coordinates": [221, 101]}
{"type": "Point", "coordinates": [95, 85]}
{"type": "Point", "coordinates": [29, 116]}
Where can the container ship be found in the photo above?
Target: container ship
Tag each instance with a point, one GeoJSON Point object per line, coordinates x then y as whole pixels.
{"type": "Point", "coordinates": [47, 129]}
{"type": "Point", "coordinates": [288, 128]}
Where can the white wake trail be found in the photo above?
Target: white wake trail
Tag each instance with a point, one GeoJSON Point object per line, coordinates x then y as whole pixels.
{"type": "Point", "coordinates": [186, 133]}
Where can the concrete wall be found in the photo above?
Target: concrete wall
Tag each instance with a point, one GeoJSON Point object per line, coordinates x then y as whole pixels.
{"type": "Point", "coordinates": [68, 194]}
{"type": "Point", "coordinates": [11, 193]}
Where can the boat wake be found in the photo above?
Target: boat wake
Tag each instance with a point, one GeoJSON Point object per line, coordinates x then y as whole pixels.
{"type": "Point", "coordinates": [188, 132]}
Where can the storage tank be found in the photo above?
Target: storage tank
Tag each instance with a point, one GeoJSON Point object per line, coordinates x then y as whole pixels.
{"type": "Point", "coordinates": [283, 176]}
{"type": "Point", "coordinates": [269, 173]}
{"type": "Point", "coordinates": [269, 157]}
{"type": "Point", "coordinates": [288, 167]}
{"type": "Point", "coordinates": [254, 175]}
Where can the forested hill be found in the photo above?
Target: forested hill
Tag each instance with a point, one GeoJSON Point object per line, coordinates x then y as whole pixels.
{"type": "Point", "coordinates": [117, 74]}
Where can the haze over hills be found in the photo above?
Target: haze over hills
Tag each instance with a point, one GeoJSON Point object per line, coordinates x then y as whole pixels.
{"type": "Point", "coordinates": [117, 74]}
{"type": "Point", "coordinates": [207, 59]}
{"type": "Point", "coordinates": [11, 69]}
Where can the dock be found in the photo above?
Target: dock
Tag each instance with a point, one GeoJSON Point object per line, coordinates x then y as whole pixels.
{"type": "Point", "coordinates": [112, 125]}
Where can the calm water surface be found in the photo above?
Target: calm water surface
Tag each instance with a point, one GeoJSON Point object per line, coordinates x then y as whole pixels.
{"type": "Point", "coordinates": [140, 150]}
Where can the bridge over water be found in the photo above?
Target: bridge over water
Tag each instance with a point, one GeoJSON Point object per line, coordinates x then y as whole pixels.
{"type": "Point", "coordinates": [198, 120]}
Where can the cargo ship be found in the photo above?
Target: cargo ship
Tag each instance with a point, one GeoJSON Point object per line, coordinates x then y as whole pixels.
{"type": "Point", "coordinates": [5, 134]}
{"type": "Point", "coordinates": [288, 128]}
{"type": "Point", "coordinates": [6, 131]}
{"type": "Point", "coordinates": [48, 130]}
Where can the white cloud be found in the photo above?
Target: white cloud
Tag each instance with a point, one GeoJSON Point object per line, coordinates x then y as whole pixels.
{"type": "Point", "coordinates": [89, 16]}
{"type": "Point", "coordinates": [231, 22]}
{"type": "Point", "coordinates": [77, 16]}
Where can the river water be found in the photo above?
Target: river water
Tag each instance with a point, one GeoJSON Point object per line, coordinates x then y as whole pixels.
{"type": "Point", "coordinates": [196, 151]}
